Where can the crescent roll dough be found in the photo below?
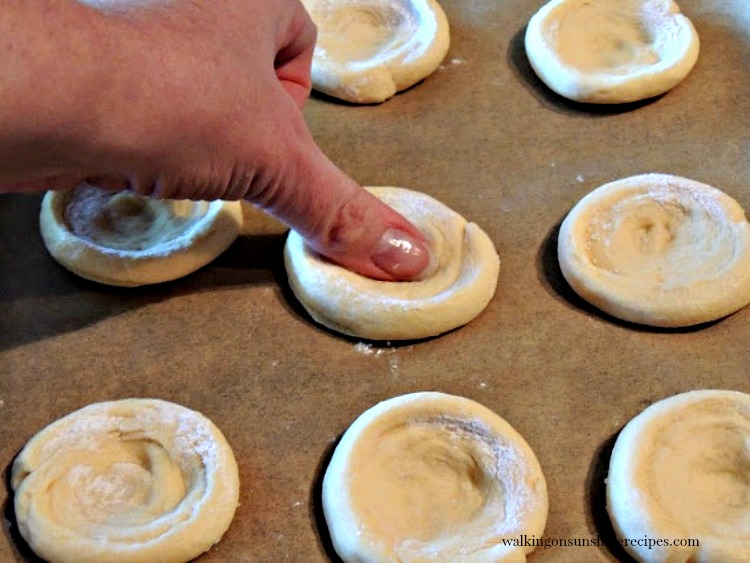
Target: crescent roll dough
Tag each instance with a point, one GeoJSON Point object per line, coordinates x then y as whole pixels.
{"type": "Point", "coordinates": [680, 471]}
{"type": "Point", "coordinates": [433, 477]}
{"type": "Point", "coordinates": [658, 250]}
{"type": "Point", "coordinates": [368, 50]}
{"type": "Point", "coordinates": [136, 480]}
{"type": "Point", "coordinates": [611, 51]}
{"type": "Point", "coordinates": [126, 240]}
{"type": "Point", "coordinates": [456, 289]}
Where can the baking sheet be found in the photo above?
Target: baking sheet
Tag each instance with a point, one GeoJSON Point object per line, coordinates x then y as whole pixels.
{"type": "Point", "coordinates": [485, 137]}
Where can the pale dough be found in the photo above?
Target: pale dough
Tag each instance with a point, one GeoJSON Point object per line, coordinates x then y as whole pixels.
{"type": "Point", "coordinates": [368, 50]}
{"type": "Point", "coordinates": [681, 470]}
{"type": "Point", "coordinates": [658, 250]}
{"type": "Point", "coordinates": [255, 221]}
{"type": "Point", "coordinates": [433, 477]}
{"type": "Point", "coordinates": [458, 286]}
{"type": "Point", "coordinates": [611, 51]}
{"type": "Point", "coordinates": [135, 480]}
{"type": "Point", "coordinates": [126, 240]}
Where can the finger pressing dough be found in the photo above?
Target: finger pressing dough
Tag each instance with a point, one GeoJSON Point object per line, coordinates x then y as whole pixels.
{"type": "Point", "coordinates": [368, 50]}
{"type": "Point", "coordinates": [681, 470]}
{"type": "Point", "coordinates": [658, 250]}
{"type": "Point", "coordinates": [433, 477]}
{"type": "Point", "coordinates": [136, 480]}
{"type": "Point", "coordinates": [457, 287]}
{"type": "Point", "coordinates": [126, 240]}
{"type": "Point", "coordinates": [611, 51]}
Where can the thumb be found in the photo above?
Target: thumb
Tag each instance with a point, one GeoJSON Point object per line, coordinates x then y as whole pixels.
{"type": "Point", "coordinates": [346, 223]}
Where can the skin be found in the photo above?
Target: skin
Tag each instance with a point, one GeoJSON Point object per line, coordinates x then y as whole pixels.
{"type": "Point", "coordinates": [188, 100]}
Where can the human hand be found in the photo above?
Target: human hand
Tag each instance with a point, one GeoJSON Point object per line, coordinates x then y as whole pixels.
{"type": "Point", "coordinates": [202, 100]}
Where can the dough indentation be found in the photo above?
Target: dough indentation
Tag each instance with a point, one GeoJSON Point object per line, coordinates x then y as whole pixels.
{"type": "Point", "coordinates": [606, 34]}
{"type": "Point", "coordinates": [126, 221]}
{"type": "Point", "coordinates": [657, 238]}
{"type": "Point", "coordinates": [359, 32]}
{"type": "Point", "coordinates": [704, 452]}
{"type": "Point", "coordinates": [98, 494]}
{"type": "Point", "coordinates": [425, 480]}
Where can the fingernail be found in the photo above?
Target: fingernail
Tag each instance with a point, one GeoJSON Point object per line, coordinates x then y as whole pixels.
{"type": "Point", "coordinates": [401, 255]}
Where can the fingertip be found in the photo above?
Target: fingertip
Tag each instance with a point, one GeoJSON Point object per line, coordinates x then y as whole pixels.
{"type": "Point", "coordinates": [386, 247]}
{"type": "Point", "coordinates": [397, 257]}
{"type": "Point", "coordinates": [401, 255]}
{"type": "Point", "coordinates": [343, 221]}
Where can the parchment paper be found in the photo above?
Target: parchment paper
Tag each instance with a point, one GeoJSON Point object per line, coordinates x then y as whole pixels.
{"type": "Point", "coordinates": [484, 136]}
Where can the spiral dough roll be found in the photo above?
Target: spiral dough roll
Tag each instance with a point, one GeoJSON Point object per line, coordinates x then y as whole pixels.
{"type": "Point", "coordinates": [659, 250]}
{"type": "Point", "coordinates": [433, 477]}
{"type": "Point", "coordinates": [136, 480]}
{"type": "Point", "coordinates": [457, 287]}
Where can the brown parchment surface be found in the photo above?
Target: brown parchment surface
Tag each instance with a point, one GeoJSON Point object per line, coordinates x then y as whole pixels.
{"type": "Point", "coordinates": [484, 136]}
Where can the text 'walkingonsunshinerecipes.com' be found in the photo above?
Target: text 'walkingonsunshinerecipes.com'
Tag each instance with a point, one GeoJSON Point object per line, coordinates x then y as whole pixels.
{"type": "Point", "coordinates": [595, 541]}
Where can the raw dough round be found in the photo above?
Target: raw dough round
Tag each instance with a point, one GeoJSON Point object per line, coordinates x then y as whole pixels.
{"type": "Point", "coordinates": [126, 240]}
{"type": "Point", "coordinates": [658, 250]}
{"type": "Point", "coordinates": [255, 221]}
{"type": "Point", "coordinates": [135, 480]}
{"type": "Point", "coordinates": [611, 51]}
{"type": "Point", "coordinates": [430, 476]}
{"type": "Point", "coordinates": [681, 470]}
{"type": "Point", "coordinates": [457, 287]}
{"type": "Point", "coordinates": [368, 50]}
